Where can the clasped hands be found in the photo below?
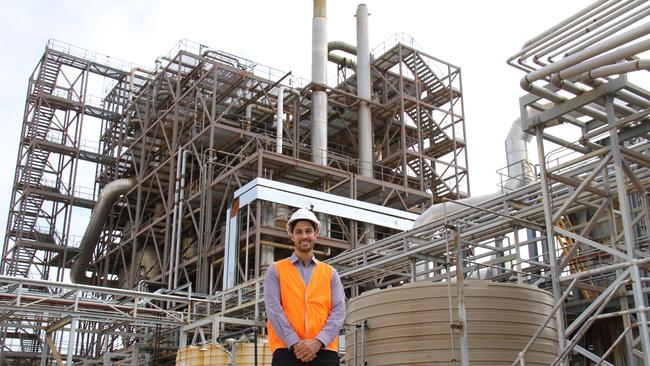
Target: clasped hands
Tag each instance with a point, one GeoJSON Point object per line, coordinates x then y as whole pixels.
{"type": "Point", "coordinates": [306, 349]}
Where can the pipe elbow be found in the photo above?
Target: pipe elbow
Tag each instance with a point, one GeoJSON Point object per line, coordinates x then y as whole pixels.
{"type": "Point", "coordinates": [525, 84]}
{"type": "Point", "coordinates": [341, 46]}
{"type": "Point", "coordinates": [107, 198]}
{"type": "Point", "coordinates": [556, 80]}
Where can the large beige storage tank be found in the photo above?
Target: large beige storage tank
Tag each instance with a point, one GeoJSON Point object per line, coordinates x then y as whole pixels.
{"type": "Point", "coordinates": [217, 355]}
{"type": "Point", "coordinates": [245, 355]}
{"type": "Point", "coordinates": [410, 325]}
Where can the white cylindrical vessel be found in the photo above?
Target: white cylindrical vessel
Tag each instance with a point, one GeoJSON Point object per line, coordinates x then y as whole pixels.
{"type": "Point", "coordinates": [363, 91]}
{"type": "Point", "coordinates": [319, 75]}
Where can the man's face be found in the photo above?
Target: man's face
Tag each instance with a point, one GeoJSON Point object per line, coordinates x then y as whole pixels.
{"type": "Point", "coordinates": [304, 236]}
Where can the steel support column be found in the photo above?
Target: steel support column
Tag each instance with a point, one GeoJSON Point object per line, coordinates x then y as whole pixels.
{"type": "Point", "coordinates": [550, 238]}
{"type": "Point", "coordinates": [640, 298]}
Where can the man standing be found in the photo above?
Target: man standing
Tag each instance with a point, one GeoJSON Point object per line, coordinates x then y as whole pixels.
{"type": "Point", "coordinates": [305, 302]}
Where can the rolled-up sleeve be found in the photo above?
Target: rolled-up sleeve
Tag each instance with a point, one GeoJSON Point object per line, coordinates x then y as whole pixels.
{"type": "Point", "coordinates": [274, 312]}
{"type": "Point", "coordinates": [337, 313]}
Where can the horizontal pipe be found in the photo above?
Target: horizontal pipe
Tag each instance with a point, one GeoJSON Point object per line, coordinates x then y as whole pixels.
{"type": "Point", "coordinates": [595, 34]}
{"type": "Point", "coordinates": [622, 68]}
{"type": "Point", "coordinates": [250, 107]}
{"type": "Point", "coordinates": [342, 61]}
{"type": "Point", "coordinates": [557, 30]}
{"type": "Point", "coordinates": [98, 289]}
{"type": "Point", "coordinates": [600, 61]}
{"type": "Point", "coordinates": [543, 36]}
{"type": "Point", "coordinates": [527, 81]}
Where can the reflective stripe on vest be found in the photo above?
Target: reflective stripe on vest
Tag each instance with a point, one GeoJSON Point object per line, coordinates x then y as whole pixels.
{"type": "Point", "coordinates": [306, 307]}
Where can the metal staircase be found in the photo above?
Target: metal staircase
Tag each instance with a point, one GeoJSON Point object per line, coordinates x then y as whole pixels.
{"type": "Point", "coordinates": [437, 92]}
{"type": "Point", "coordinates": [25, 222]}
{"type": "Point", "coordinates": [429, 127]}
{"type": "Point", "coordinates": [48, 75]}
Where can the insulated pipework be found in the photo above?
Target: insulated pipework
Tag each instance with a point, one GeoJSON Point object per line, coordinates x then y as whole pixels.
{"type": "Point", "coordinates": [519, 168]}
{"type": "Point", "coordinates": [363, 91]}
{"type": "Point", "coordinates": [107, 198]}
{"type": "Point", "coordinates": [319, 76]}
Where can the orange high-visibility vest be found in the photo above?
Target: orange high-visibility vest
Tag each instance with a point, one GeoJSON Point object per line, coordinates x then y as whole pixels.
{"type": "Point", "coordinates": [306, 307]}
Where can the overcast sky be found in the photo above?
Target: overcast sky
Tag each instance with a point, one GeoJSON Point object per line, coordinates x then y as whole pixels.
{"type": "Point", "coordinates": [477, 36]}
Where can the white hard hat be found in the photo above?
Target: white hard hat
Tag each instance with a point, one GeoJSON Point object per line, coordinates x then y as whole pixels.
{"type": "Point", "coordinates": [303, 214]}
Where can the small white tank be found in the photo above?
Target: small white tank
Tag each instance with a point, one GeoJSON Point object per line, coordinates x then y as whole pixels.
{"type": "Point", "coordinates": [410, 324]}
{"type": "Point", "coordinates": [218, 355]}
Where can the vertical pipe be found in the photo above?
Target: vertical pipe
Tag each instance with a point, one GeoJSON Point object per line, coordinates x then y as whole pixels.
{"type": "Point", "coordinates": [256, 345]}
{"type": "Point", "coordinates": [172, 242]}
{"type": "Point", "coordinates": [498, 246]}
{"type": "Point", "coordinates": [460, 294]}
{"type": "Point", "coordinates": [517, 255]}
{"type": "Point", "coordinates": [279, 120]}
{"type": "Point", "coordinates": [356, 345]}
{"type": "Point", "coordinates": [71, 341]}
{"type": "Point", "coordinates": [247, 222]}
{"type": "Point", "coordinates": [363, 342]}
{"type": "Point", "coordinates": [211, 289]}
{"type": "Point", "coordinates": [227, 249]}
{"type": "Point", "coordinates": [533, 253]}
{"type": "Point", "coordinates": [363, 91]}
{"type": "Point", "coordinates": [179, 223]}
{"type": "Point", "coordinates": [640, 300]}
{"type": "Point", "coordinates": [45, 351]}
{"type": "Point", "coordinates": [517, 157]}
{"type": "Point", "coordinates": [319, 76]}
{"type": "Point", "coordinates": [627, 324]}
{"type": "Point", "coordinates": [267, 252]}
{"type": "Point", "coordinates": [258, 237]}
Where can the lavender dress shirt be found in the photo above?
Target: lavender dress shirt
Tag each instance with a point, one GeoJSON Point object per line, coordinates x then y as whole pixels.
{"type": "Point", "coordinates": [278, 319]}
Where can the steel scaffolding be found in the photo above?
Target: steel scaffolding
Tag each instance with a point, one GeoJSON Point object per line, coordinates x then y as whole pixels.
{"type": "Point", "coordinates": [191, 131]}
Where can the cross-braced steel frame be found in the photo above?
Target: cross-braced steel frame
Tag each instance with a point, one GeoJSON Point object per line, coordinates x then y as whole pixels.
{"type": "Point", "coordinates": [50, 189]}
{"type": "Point", "coordinates": [580, 231]}
{"type": "Point", "coordinates": [191, 131]}
{"type": "Point", "coordinates": [578, 82]}
{"type": "Point", "coordinates": [202, 126]}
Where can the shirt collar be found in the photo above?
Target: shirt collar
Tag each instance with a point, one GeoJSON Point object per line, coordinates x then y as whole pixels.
{"type": "Point", "coordinates": [294, 258]}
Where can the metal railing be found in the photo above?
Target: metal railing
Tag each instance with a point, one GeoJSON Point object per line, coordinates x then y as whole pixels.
{"type": "Point", "coordinates": [88, 55]}
{"type": "Point", "coordinates": [253, 67]}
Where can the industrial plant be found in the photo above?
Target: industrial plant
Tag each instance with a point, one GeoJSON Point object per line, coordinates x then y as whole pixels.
{"type": "Point", "coordinates": [199, 160]}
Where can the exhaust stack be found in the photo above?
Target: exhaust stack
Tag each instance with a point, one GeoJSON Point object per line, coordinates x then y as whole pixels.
{"type": "Point", "coordinates": [363, 91]}
{"type": "Point", "coordinates": [319, 76]}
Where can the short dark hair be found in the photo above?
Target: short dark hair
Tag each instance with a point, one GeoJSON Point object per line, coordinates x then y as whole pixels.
{"type": "Point", "coordinates": [293, 224]}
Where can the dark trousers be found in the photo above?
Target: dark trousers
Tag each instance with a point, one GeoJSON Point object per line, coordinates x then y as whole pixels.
{"type": "Point", "coordinates": [324, 357]}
